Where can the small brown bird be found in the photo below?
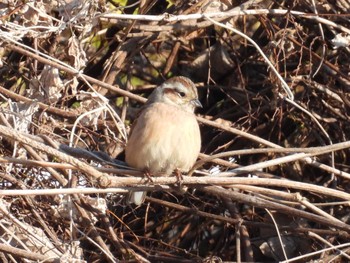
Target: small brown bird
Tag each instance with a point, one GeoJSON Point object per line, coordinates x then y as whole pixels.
{"type": "Point", "coordinates": [165, 137]}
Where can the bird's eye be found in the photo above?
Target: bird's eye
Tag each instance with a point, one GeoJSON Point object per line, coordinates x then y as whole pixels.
{"type": "Point", "coordinates": [181, 94]}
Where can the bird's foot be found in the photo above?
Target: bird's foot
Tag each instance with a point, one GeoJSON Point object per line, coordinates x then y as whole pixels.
{"type": "Point", "coordinates": [148, 175]}
{"type": "Point", "coordinates": [179, 176]}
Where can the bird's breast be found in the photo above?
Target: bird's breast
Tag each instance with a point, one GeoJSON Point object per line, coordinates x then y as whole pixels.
{"type": "Point", "coordinates": [164, 138]}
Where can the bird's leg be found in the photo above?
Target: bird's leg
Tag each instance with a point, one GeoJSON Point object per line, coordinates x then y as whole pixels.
{"type": "Point", "coordinates": [179, 176]}
{"type": "Point", "coordinates": [148, 175]}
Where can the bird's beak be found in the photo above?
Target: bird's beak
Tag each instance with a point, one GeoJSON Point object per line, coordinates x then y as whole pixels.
{"type": "Point", "coordinates": [197, 103]}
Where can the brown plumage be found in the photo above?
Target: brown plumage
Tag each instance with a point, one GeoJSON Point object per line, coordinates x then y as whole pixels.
{"type": "Point", "coordinates": [165, 136]}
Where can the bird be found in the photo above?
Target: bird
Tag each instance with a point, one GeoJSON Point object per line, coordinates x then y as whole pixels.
{"type": "Point", "coordinates": [165, 137]}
